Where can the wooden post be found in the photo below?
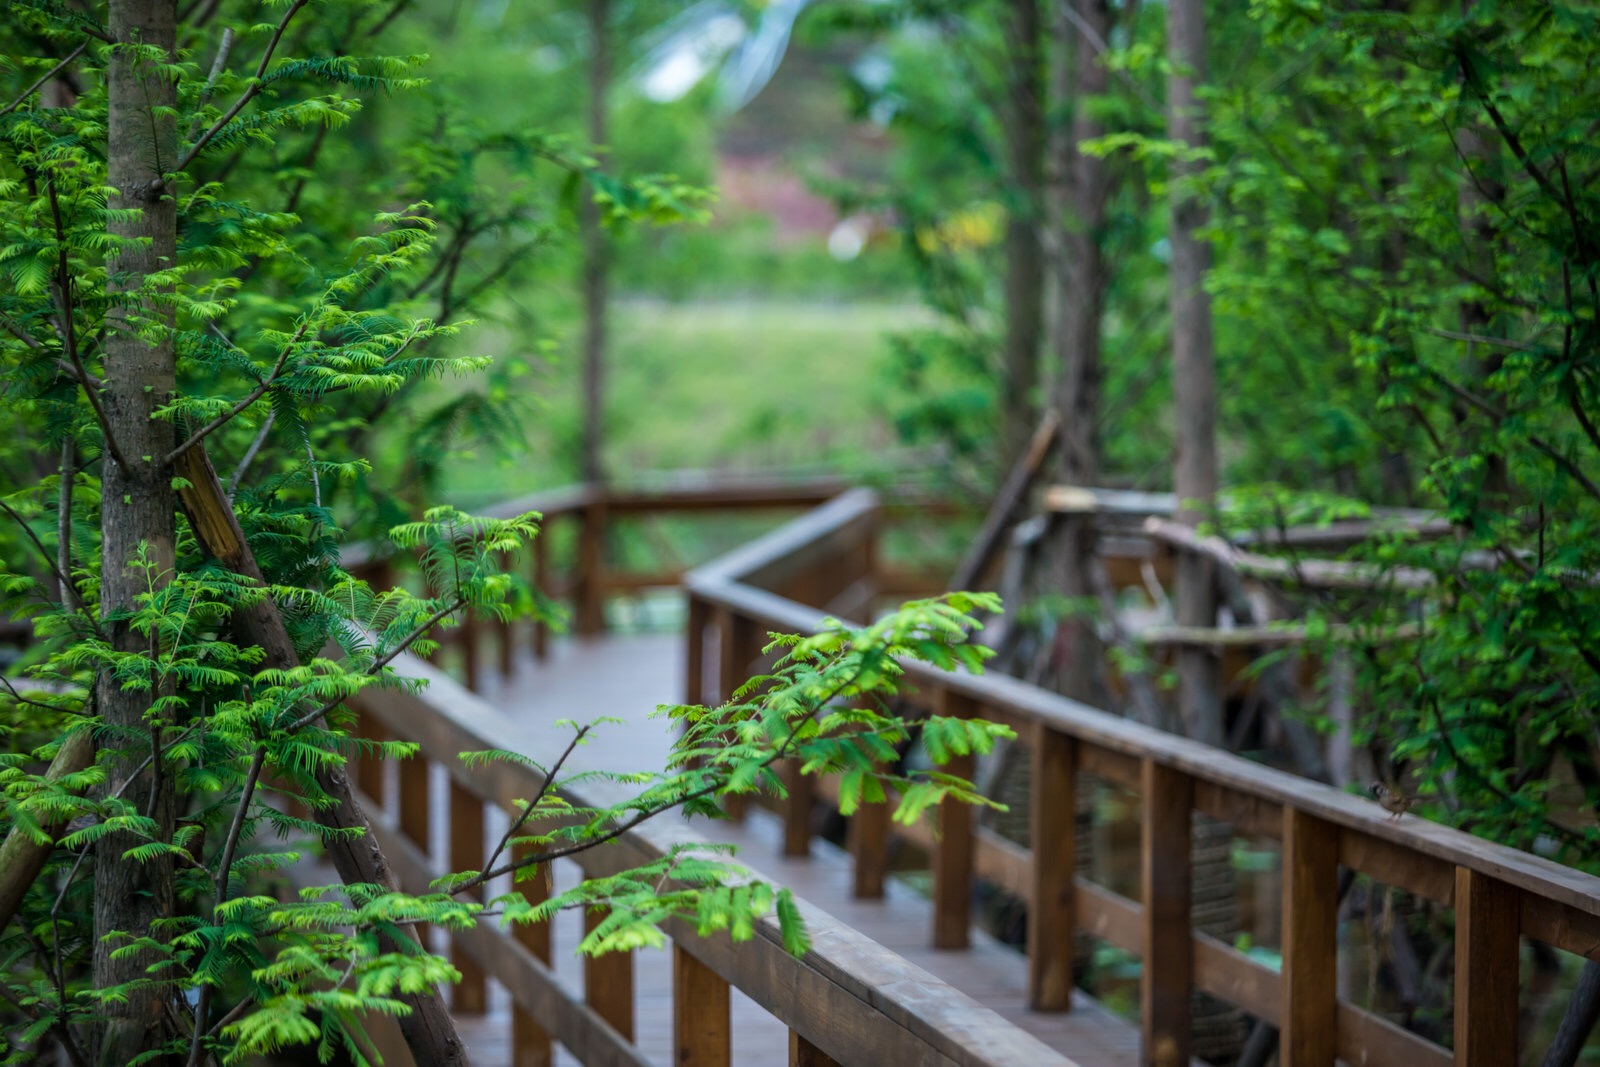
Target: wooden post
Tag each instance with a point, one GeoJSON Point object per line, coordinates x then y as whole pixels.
{"type": "Point", "coordinates": [541, 583]}
{"type": "Point", "coordinates": [953, 849]}
{"type": "Point", "coordinates": [1310, 940]}
{"type": "Point", "coordinates": [1487, 932]}
{"type": "Point", "coordinates": [369, 767]}
{"type": "Point", "coordinates": [869, 849]}
{"type": "Point", "coordinates": [530, 1043]}
{"type": "Point", "coordinates": [608, 981]}
{"type": "Point", "coordinates": [589, 613]}
{"type": "Point", "coordinates": [471, 660]}
{"type": "Point", "coordinates": [1167, 975]}
{"type": "Point", "coordinates": [803, 1053]}
{"type": "Point", "coordinates": [415, 804]}
{"type": "Point", "coordinates": [506, 633]}
{"type": "Point", "coordinates": [797, 809]}
{"type": "Point", "coordinates": [736, 647]}
{"type": "Point", "coordinates": [1054, 838]}
{"type": "Point", "coordinates": [694, 664]}
{"type": "Point", "coordinates": [702, 1032]}
{"type": "Point", "coordinates": [471, 994]}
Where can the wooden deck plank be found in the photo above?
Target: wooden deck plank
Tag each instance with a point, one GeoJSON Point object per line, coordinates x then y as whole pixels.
{"type": "Point", "coordinates": [625, 677]}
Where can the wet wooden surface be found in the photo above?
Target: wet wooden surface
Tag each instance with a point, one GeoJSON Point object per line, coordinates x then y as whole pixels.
{"type": "Point", "coordinates": [625, 678]}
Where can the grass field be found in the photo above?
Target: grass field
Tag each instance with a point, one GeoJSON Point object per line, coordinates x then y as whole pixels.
{"type": "Point", "coordinates": [710, 385]}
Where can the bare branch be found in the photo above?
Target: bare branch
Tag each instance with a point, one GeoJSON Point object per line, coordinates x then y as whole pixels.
{"type": "Point", "coordinates": [51, 73]}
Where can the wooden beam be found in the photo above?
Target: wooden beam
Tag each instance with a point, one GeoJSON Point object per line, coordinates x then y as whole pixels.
{"type": "Point", "coordinates": [1310, 940]}
{"type": "Point", "coordinates": [1007, 503]}
{"type": "Point", "coordinates": [869, 850]}
{"type": "Point", "coordinates": [797, 809]}
{"type": "Point", "coordinates": [1053, 831]}
{"type": "Point", "coordinates": [608, 981]}
{"type": "Point", "coordinates": [952, 865]}
{"type": "Point", "coordinates": [470, 996]}
{"type": "Point", "coordinates": [1167, 975]}
{"type": "Point", "coordinates": [702, 1033]}
{"type": "Point", "coordinates": [1486, 971]}
{"type": "Point", "coordinates": [530, 1042]}
{"type": "Point", "coordinates": [803, 1053]}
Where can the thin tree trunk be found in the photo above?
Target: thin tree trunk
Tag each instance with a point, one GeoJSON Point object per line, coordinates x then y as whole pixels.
{"type": "Point", "coordinates": [595, 255]}
{"type": "Point", "coordinates": [1024, 131]}
{"type": "Point", "coordinates": [1080, 285]}
{"type": "Point", "coordinates": [137, 514]}
{"type": "Point", "coordinates": [1193, 371]}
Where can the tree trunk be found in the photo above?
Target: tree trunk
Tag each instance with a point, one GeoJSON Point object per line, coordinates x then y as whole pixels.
{"type": "Point", "coordinates": [428, 1029]}
{"type": "Point", "coordinates": [1024, 131]}
{"type": "Point", "coordinates": [137, 513]}
{"type": "Point", "coordinates": [595, 255]}
{"type": "Point", "coordinates": [1080, 285]}
{"type": "Point", "coordinates": [1193, 371]}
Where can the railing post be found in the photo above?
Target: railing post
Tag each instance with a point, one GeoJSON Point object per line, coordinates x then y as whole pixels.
{"type": "Point", "coordinates": [1487, 931]}
{"type": "Point", "coordinates": [694, 651]}
{"type": "Point", "coordinates": [471, 658]}
{"type": "Point", "coordinates": [415, 807]}
{"type": "Point", "coordinates": [803, 1053]}
{"type": "Point", "coordinates": [608, 981]}
{"type": "Point", "coordinates": [1052, 913]}
{"type": "Point", "coordinates": [1167, 974]}
{"type": "Point", "coordinates": [869, 849]}
{"type": "Point", "coordinates": [953, 849]}
{"type": "Point", "coordinates": [589, 613]}
{"type": "Point", "coordinates": [797, 809]}
{"type": "Point", "coordinates": [530, 1043]}
{"type": "Point", "coordinates": [506, 633]}
{"type": "Point", "coordinates": [735, 641]}
{"type": "Point", "coordinates": [471, 994]}
{"type": "Point", "coordinates": [702, 1031]}
{"type": "Point", "coordinates": [1310, 940]}
{"type": "Point", "coordinates": [541, 583]}
{"type": "Point", "coordinates": [369, 766]}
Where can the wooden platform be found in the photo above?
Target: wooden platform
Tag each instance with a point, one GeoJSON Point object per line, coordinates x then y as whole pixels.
{"type": "Point", "coordinates": [625, 677]}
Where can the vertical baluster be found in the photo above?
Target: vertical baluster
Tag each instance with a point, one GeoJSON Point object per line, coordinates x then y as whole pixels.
{"type": "Point", "coordinates": [1167, 974]}
{"type": "Point", "coordinates": [1053, 830]}
{"type": "Point", "coordinates": [471, 658]}
{"type": "Point", "coordinates": [694, 664]}
{"type": "Point", "coordinates": [530, 1043]}
{"type": "Point", "coordinates": [797, 809]}
{"type": "Point", "coordinates": [736, 647]}
{"type": "Point", "coordinates": [1310, 940]}
{"type": "Point", "coordinates": [505, 633]}
{"type": "Point", "coordinates": [803, 1053]}
{"type": "Point", "coordinates": [589, 614]}
{"type": "Point", "coordinates": [471, 994]}
{"type": "Point", "coordinates": [369, 766]}
{"type": "Point", "coordinates": [1487, 930]}
{"type": "Point", "coordinates": [608, 981]}
{"type": "Point", "coordinates": [702, 1032]}
{"type": "Point", "coordinates": [869, 849]}
{"type": "Point", "coordinates": [415, 805]}
{"type": "Point", "coordinates": [541, 583]}
{"type": "Point", "coordinates": [953, 849]}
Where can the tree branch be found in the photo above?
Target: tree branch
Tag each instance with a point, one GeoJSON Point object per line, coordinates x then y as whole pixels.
{"type": "Point", "coordinates": [51, 73]}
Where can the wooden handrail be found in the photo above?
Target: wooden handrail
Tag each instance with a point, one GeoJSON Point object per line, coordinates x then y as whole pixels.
{"type": "Point", "coordinates": [847, 997]}
{"type": "Point", "coordinates": [1494, 888]}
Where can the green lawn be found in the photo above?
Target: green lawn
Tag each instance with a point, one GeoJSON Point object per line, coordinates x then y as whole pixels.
{"type": "Point", "coordinates": [711, 385]}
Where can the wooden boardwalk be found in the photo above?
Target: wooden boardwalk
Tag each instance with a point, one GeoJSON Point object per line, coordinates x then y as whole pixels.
{"type": "Point", "coordinates": [625, 677]}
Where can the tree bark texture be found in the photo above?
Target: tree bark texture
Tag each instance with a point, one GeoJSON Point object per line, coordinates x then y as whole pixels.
{"type": "Point", "coordinates": [596, 255]}
{"type": "Point", "coordinates": [1193, 370]}
{"type": "Point", "coordinates": [1081, 32]}
{"type": "Point", "coordinates": [1025, 138]}
{"type": "Point", "coordinates": [137, 512]}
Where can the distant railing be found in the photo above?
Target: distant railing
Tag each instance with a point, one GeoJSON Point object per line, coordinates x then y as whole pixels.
{"type": "Point", "coordinates": [823, 564]}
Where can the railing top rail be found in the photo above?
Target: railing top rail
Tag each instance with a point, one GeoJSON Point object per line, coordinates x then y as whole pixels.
{"type": "Point", "coordinates": [935, 1023]}
{"type": "Point", "coordinates": [723, 582]}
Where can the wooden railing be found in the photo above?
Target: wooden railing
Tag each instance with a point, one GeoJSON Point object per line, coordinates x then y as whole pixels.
{"type": "Point", "coordinates": [847, 1000]}
{"type": "Point", "coordinates": [822, 563]}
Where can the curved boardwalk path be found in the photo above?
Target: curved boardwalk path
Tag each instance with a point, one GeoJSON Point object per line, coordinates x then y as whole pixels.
{"type": "Point", "coordinates": [625, 677]}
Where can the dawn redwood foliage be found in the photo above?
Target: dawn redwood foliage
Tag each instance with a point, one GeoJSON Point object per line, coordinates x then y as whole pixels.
{"type": "Point", "coordinates": [194, 372]}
